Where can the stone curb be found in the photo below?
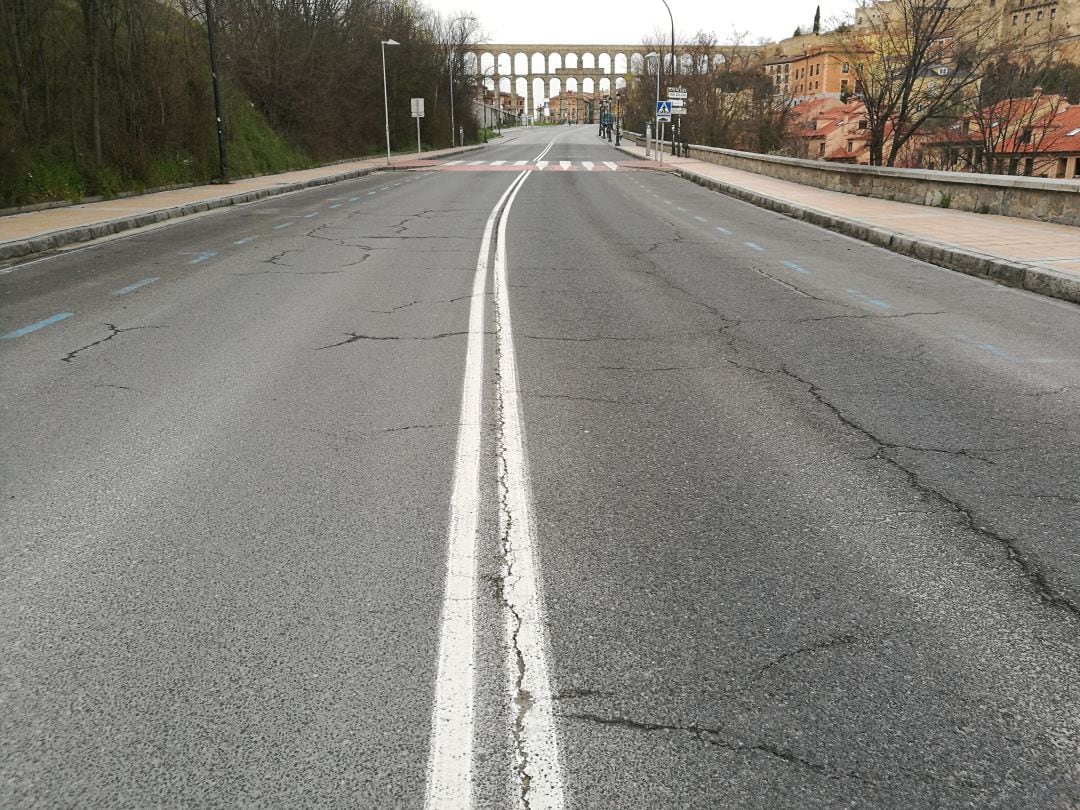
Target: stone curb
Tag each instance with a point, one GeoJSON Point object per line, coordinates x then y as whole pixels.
{"type": "Point", "coordinates": [18, 248]}
{"type": "Point", "coordinates": [1040, 280]}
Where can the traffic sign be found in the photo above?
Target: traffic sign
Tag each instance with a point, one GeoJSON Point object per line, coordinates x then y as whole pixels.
{"type": "Point", "coordinates": [676, 92]}
{"type": "Point", "coordinates": [417, 108]}
{"type": "Point", "coordinates": [663, 110]}
{"type": "Point", "coordinates": [676, 103]}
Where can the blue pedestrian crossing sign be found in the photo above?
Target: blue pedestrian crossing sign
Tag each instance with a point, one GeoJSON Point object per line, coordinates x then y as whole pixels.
{"type": "Point", "coordinates": [663, 110]}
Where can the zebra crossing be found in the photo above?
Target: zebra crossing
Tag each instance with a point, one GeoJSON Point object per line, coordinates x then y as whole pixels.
{"type": "Point", "coordinates": [536, 165]}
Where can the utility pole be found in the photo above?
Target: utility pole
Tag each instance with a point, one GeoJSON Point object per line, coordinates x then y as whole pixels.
{"type": "Point", "coordinates": [223, 165]}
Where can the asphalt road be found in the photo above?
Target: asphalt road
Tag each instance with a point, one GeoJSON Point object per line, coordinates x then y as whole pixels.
{"type": "Point", "coordinates": [764, 516]}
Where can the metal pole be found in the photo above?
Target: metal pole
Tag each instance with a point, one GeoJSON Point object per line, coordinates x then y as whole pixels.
{"type": "Point", "coordinates": [418, 137]}
{"type": "Point", "coordinates": [453, 129]}
{"type": "Point", "coordinates": [386, 98]}
{"type": "Point", "coordinates": [223, 165]}
{"type": "Point", "coordinates": [672, 65]}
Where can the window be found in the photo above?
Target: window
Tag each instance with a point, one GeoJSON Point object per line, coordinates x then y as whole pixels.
{"type": "Point", "coordinates": [862, 124]}
{"type": "Point", "coordinates": [844, 68]}
{"type": "Point", "coordinates": [1053, 12]}
{"type": "Point", "coordinates": [1025, 136]}
{"type": "Point", "coordinates": [1038, 14]}
{"type": "Point", "coordinates": [1015, 18]}
{"type": "Point", "coordinates": [821, 150]}
{"type": "Point", "coordinates": [851, 146]}
{"type": "Point", "coordinates": [843, 85]}
{"type": "Point", "coordinates": [1027, 17]}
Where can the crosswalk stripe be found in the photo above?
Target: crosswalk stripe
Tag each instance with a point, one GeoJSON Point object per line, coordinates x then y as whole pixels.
{"type": "Point", "coordinates": [588, 165]}
{"type": "Point", "coordinates": [520, 162]}
{"type": "Point", "coordinates": [475, 162]}
{"type": "Point", "coordinates": [612, 166]}
{"type": "Point", "coordinates": [453, 162]}
{"type": "Point", "coordinates": [541, 165]}
{"type": "Point", "coordinates": [497, 162]}
{"type": "Point", "coordinates": [565, 164]}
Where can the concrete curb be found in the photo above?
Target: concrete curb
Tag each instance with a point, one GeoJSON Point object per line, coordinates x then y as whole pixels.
{"type": "Point", "coordinates": [1040, 280]}
{"type": "Point", "coordinates": [53, 240]}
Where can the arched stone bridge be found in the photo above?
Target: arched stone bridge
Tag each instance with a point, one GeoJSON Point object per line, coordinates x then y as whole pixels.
{"type": "Point", "coordinates": [532, 74]}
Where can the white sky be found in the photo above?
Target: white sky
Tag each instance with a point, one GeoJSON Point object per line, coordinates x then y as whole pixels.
{"type": "Point", "coordinates": [573, 21]}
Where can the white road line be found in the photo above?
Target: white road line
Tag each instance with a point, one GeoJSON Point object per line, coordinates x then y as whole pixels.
{"type": "Point", "coordinates": [449, 779]}
{"type": "Point", "coordinates": [453, 163]}
{"type": "Point", "coordinates": [539, 775]}
{"type": "Point", "coordinates": [613, 166]}
{"type": "Point", "coordinates": [541, 165]}
{"type": "Point", "coordinates": [565, 165]}
{"type": "Point", "coordinates": [588, 164]}
{"type": "Point", "coordinates": [476, 162]}
{"type": "Point", "coordinates": [753, 246]}
{"type": "Point", "coordinates": [520, 162]}
{"type": "Point", "coordinates": [498, 162]}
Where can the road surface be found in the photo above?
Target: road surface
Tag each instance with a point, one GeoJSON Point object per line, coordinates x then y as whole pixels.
{"type": "Point", "coordinates": [534, 478]}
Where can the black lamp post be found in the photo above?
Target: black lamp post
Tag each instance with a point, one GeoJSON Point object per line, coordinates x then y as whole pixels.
{"type": "Point", "coordinates": [223, 167]}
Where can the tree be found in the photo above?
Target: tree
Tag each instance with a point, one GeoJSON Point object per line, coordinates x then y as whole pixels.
{"type": "Point", "coordinates": [913, 61]}
{"type": "Point", "coordinates": [817, 20]}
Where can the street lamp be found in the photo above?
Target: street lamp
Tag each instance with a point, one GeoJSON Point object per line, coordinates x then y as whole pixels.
{"type": "Point", "coordinates": [656, 115]}
{"type": "Point", "coordinates": [672, 65]}
{"type": "Point", "coordinates": [385, 97]}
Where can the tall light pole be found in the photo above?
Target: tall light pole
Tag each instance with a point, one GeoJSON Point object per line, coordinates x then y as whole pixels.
{"type": "Point", "coordinates": [672, 64]}
{"type": "Point", "coordinates": [656, 115]}
{"type": "Point", "coordinates": [385, 97]}
{"type": "Point", "coordinates": [223, 164]}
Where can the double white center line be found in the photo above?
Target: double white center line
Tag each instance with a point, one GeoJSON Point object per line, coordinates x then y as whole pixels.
{"type": "Point", "coordinates": [450, 765]}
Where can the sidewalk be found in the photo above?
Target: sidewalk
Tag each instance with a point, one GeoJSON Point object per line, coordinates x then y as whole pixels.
{"type": "Point", "coordinates": [1037, 256]}
{"type": "Point", "coordinates": [38, 231]}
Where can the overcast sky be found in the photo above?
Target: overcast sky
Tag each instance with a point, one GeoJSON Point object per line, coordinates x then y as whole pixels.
{"type": "Point", "coordinates": [573, 21]}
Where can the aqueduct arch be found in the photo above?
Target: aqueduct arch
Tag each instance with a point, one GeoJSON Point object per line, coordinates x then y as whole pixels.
{"type": "Point", "coordinates": [592, 69]}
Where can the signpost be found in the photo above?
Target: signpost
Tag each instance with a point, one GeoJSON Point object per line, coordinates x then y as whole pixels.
{"type": "Point", "coordinates": [417, 113]}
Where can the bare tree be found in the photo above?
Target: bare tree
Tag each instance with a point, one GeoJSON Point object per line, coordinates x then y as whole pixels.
{"type": "Point", "coordinates": [914, 61]}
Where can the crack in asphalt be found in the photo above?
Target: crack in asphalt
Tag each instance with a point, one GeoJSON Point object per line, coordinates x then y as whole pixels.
{"type": "Point", "coordinates": [716, 736]}
{"type": "Point", "coordinates": [521, 698]}
{"type": "Point", "coordinates": [1031, 572]}
{"type": "Point", "coordinates": [828, 644]}
{"type": "Point", "coordinates": [113, 332]}
{"type": "Point", "coordinates": [353, 337]}
{"type": "Point", "coordinates": [598, 400]}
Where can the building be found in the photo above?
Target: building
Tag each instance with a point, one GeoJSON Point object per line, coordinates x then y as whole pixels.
{"type": "Point", "coordinates": [827, 128]}
{"type": "Point", "coordinates": [1036, 137]}
{"type": "Point", "coordinates": [809, 66]}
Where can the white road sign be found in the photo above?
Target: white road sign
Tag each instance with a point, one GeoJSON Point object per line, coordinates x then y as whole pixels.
{"type": "Point", "coordinates": [417, 108]}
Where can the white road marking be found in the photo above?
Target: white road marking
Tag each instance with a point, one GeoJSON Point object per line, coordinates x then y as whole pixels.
{"type": "Point", "coordinates": [753, 246]}
{"type": "Point", "coordinates": [536, 746]}
{"type": "Point", "coordinates": [498, 162]}
{"type": "Point", "coordinates": [723, 230]}
{"type": "Point", "coordinates": [613, 166]}
{"type": "Point", "coordinates": [520, 162]}
{"type": "Point", "coordinates": [453, 163]}
{"type": "Point", "coordinates": [541, 165]}
{"type": "Point", "coordinates": [565, 165]}
{"type": "Point", "coordinates": [475, 162]}
{"type": "Point", "coordinates": [699, 219]}
{"type": "Point", "coordinates": [588, 165]}
{"type": "Point", "coordinates": [449, 779]}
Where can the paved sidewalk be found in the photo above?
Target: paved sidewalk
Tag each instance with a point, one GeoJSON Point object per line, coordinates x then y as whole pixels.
{"type": "Point", "coordinates": [1039, 256]}
{"type": "Point", "coordinates": [37, 231]}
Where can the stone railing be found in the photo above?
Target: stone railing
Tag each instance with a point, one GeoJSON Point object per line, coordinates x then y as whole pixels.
{"type": "Point", "coordinates": [1038, 198]}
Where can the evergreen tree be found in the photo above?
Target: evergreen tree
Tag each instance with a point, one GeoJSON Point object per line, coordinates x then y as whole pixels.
{"type": "Point", "coordinates": [817, 20]}
{"type": "Point", "coordinates": [798, 31]}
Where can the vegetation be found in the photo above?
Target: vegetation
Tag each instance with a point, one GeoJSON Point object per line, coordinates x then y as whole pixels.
{"type": "Point", "coordinates": [103, 96]}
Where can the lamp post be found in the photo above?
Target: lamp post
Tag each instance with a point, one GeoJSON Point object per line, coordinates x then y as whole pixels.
{"type": "Point", "coordinates": [672, 65]}
{"type": "Point", "coordinates": [223, 164]}
{"type": "Point", "coordinates": [656, 118]}
{"type": "Point", "coordinates": [385, 97]}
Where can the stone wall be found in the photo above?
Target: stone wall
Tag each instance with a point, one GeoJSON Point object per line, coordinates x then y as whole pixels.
{"type": "Point", "coordinates": [1048, 200]}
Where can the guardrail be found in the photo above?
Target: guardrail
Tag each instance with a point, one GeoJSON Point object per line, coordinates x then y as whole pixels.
{"type": "Point", "coordinates": [1047, 200]}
